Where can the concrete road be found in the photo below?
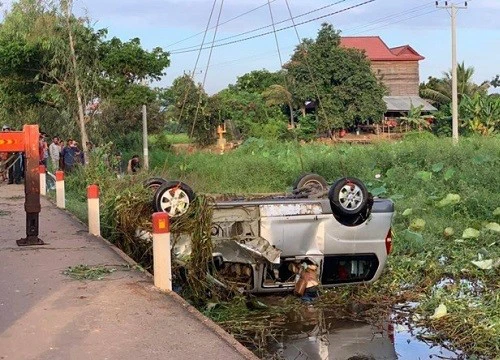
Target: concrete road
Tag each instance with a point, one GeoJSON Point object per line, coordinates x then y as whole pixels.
{"type": "Point", "coordinates": [44, 314]}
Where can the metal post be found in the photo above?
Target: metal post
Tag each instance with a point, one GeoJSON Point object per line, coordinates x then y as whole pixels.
{"type": "Point", "coordinates": [32, 204]}
{"type": "Point", "coordinates": [145, 134]}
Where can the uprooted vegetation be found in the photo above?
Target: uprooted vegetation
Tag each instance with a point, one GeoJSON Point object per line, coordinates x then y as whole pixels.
{"type": "Point", "coordinates": [446, 244]}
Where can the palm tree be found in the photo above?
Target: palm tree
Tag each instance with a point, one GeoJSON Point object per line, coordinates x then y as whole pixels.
{"type": "Point", "coordinates": [439, 91]}
{"type": "Point", "coordinates": [278, 95]}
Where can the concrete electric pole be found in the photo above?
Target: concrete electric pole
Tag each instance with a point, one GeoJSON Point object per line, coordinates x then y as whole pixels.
{"type": "Point", "coordinates": [145, 133]}
{"type": "Point", "coordinates": [452, 9]}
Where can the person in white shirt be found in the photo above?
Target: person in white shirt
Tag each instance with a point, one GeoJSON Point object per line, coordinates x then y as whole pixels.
{"type": "Point", "coordinates": [55, 153]}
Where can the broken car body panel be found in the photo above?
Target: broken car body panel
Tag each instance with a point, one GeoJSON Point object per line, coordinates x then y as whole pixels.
{"type": "Point", "coordinates": [263, 245]}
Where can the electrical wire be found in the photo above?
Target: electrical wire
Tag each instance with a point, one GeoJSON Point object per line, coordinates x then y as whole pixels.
{"type": "Point", "coordinates": [388, 18]}
{"type": "Point", "coordinates": [266, 26]}
{"type": "Point", "coordinates": [281, 29]}
{"type": "Point", "coordinates": [275, 34]}
{"type": "Point", "coordinates": [307, 62]}
{"type": "Point", "coordinates": [222, 23]}
{"type": "Point", "coordinates": [397, 22]}
{"type": "Point", "coordinates": [206, 70]}
{"type": "Point", "coordinates": [188, 88]}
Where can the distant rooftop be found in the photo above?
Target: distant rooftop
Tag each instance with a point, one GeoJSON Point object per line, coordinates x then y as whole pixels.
{"type": "Point", "coordinates": [405, 103]}
{"type": "Point", "coordinates": [377, 50]}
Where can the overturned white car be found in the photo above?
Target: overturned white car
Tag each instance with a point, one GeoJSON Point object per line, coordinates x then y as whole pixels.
{"type": "Point", "coordinates": [328, 237]}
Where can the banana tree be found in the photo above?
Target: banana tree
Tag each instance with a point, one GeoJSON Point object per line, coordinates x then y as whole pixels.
{"type": "Point", "coordinates": [481, 114]}
{"type": "Point", "coordinates": [415, 119]}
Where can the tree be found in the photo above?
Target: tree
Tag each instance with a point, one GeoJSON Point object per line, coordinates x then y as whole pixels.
{"type": "Point", "coordinates": [339, 80]}
{"type": "Point", "coordinates": [279, 95]}
{"type": "Point", "coordinates": [415, 119]}
{"type": "Point", "coordinates": [124, 67]}
{"type": "Point", "coordinates": [250, 113]}
{"type": "Point", "coordinates": [495, 82]}
{"type": "Point", "coordinates": [439, 91]}
{"type": "Point", "coordinates": [258, 80]}
{"type": "Point", "coordinates": [48, 59]}
{"type": "Point", "coordinates": [480, 113]}
{"type": "Point", "coordinates": [188, 104]}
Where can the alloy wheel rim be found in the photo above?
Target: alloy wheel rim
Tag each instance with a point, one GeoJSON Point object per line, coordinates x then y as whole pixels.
{"type": "Point", "coordinates": [351, 197]}
{"type": "Point", "coordinates": [174, 202]}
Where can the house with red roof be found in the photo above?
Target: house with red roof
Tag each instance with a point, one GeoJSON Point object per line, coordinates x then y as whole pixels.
{"type": "Point", "coordinates": [397, 68]}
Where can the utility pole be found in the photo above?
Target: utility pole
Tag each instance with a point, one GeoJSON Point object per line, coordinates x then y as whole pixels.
{"type": "Point", "coordinates": [145, 133]}
{"type": "Point", "coordinates": [452, 9]}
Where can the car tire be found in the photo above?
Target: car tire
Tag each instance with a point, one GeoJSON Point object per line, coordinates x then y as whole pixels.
{"type": "Point", "coordinates": [348, 197]}
{"type": "Point", "coordinates": [310, 181]}
{"type": "Point", "coordinates": [174, 198]}
{"type": "Point", "coordinates": [154, 183]}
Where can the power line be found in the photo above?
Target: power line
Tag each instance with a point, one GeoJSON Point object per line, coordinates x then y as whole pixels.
{"type": "Point", "coordinates": [393, 16]}
{"type": "Point", "coordinates": [206, 70]}
{"type": "Point", "coordinates": [188, 88]}
{"type": "Point", "coordinates": [277, 30]}
{"type": "Point", "coordinates": [264, 27]}
{"type": "Point", "coordinates": [222, 23]}
{"type": "Point", "coordinates": [390, 17]}
{"type": "Point", "coordinates": [396, 22]}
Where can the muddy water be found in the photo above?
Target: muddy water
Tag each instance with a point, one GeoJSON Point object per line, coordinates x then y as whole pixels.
{"type": "Point", "coordinates": [316, 334]}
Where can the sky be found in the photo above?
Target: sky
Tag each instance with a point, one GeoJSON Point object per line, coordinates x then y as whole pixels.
{"type": "Point", "coordinates": [179, 25]}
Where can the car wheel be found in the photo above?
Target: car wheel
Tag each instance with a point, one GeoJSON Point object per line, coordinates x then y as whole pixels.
{"type": "Point", "coordinates": [310, 181]}
{"type": "Point", "coordinates": [174, 198]}
{"type": "Point", "coordinates": [154, 183]}
{"type": "Point", "coordinates": [348, 197]}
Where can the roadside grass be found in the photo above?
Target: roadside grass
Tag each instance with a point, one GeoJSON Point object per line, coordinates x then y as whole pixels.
{"type": "Point", "coordinates": [78, 208]}
{"type": "Point", "coordinates": [434, 184]}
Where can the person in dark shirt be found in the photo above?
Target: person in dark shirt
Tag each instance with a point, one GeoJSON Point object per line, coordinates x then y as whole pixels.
{"type": "Point", "coordinates": [68, 155]}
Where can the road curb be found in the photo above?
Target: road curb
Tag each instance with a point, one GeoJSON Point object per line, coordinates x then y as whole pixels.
{"type": "Point", "coordinates": [210, 324]}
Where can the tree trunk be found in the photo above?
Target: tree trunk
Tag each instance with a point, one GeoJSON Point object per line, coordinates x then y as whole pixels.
{"type": "Point", "coordinates": [81, 115]}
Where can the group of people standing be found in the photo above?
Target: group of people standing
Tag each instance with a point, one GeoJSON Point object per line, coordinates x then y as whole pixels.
{"type": "Point", "coordinates": [62, 157]}
{"type": "Point", "coordinates": [57, 156]}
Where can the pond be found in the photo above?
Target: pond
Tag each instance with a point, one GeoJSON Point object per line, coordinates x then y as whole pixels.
{"type": "Point", "coordinates": [312, 333]}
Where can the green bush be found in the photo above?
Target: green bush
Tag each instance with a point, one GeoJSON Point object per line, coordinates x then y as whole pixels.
{"type": "Point", "coordinates": [130, 143]}
{"type": "Point", "coordinates": [306, 127]}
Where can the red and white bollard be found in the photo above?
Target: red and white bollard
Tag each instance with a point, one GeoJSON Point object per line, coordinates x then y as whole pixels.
{"type": "Point", "coordinates": [161, 252]}
{"type": "Point", "coordinates": [43, 180]}
{"type": "Point", "coordinates": [93, 210]}
{"type": "Point", "coordinates": [60, 191]}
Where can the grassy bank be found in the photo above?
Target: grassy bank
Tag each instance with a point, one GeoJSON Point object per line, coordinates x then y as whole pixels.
{"type": "Point", "coordinates": [435, 186]}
